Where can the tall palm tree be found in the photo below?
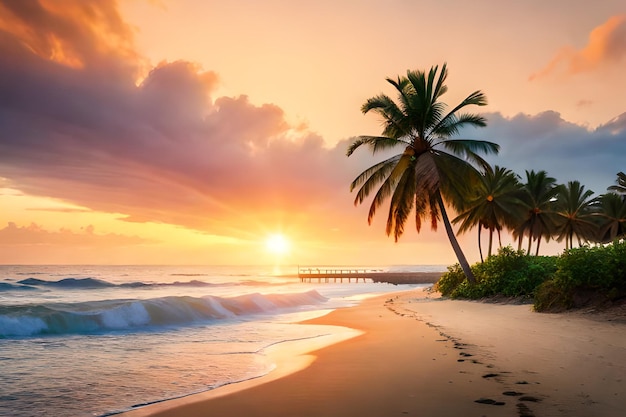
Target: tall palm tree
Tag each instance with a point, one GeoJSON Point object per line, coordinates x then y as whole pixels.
{"type": "Point", "coordinates": [539, 193]}
{"type": "Point", "coordinates": [432, 166]}
{"type": "Point", "coordinates": [620, 188]}
{"type": "Point", "coordinates": [612, 215]}
{"type": "Point", "coordinates": [574, 214]}
{"type": "Point", "coordinates": [494, 202]}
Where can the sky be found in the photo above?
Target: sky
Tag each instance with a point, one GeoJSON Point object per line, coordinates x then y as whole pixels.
{"type": "Point", "coordinates": [189, 131]}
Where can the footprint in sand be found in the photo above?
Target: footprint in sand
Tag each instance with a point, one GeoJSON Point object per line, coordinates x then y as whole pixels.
{"type": "Point", "coordinates": [489, 401]}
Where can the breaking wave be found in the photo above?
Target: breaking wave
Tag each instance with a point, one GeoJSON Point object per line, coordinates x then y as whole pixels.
{"type": "Point", "coordinates": [133, 315]}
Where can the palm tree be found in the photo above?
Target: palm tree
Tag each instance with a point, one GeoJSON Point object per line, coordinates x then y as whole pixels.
{"type": "Point", "coordinates": [539, 193]}
{"type": "Point", "coordinates": [612, 215]}
{"type": "Point", "coordinates": [574, 214]}
{"type": "Point", "coordinates": [620, 188]}
{"type": "Point", "coordinates": [494, 203]}
{"type": "Point", "coordinates": [432, 166]}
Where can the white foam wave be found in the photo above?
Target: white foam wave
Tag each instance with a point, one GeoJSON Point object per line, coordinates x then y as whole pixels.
{"type": "Point", "coordinates": [126, 316]}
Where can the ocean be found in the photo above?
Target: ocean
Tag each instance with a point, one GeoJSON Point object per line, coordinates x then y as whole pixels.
{"type": "Point", "coordinates": [99, 340]}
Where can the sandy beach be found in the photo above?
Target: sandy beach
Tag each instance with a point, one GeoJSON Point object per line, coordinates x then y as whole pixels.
{"type": "Point", "coordinates": [415, 354]}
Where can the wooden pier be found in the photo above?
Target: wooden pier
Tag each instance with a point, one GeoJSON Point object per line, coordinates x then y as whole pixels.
{"type": "Point", "coordinates": [327, 275]}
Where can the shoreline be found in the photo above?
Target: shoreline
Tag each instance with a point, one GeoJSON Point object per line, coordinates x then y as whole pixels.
{"type": "Point", "coordinates": [412, 353]}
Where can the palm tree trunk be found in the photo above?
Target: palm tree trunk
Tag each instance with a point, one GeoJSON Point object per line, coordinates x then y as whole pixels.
{"type": "Point", "coordinates": [490, 242]}
{"type": "Point", "coordinates": [480, 247]}
{"type": "Point", "coordinates": [570, 238]}
{"type": "Point", "coordinates": [455, 244]}
{"type": "Point", "coordinates": [538, 243]}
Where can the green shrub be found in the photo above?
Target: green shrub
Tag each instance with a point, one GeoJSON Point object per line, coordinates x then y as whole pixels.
{"type": "Point", "coordinates": [556, 283]}
{"type": "Point", "coordinates": [539, 270]}
{"type": "Point", "coordinates": [502, 272]}
{"type": "Point", "coordinates": [618, 264]}
{"type": "Point", "coordinates": [469, 291]}
{"type": "Point", "coordinates": [510, 273]}
{"type": "Point", "coordinates": [549, 296]}
{"type": "Point", "coordinates": [598, 267]}
{"type": "Point", "coordinates": [450, 280]}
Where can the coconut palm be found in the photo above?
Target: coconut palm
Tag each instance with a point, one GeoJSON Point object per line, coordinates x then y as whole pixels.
{"type": "Point", "coordinates": [620, 188]}
{"type": "Point", "coordinates": [432, 167]}
{"type": "Point", "coordinates": [574, 214]}
{"type": "Point", "coordinates": [494, 202]}
{"type": "Point", "coordinates": [538, 222]}
{"type": "Point", "coordinates": [612, 217]}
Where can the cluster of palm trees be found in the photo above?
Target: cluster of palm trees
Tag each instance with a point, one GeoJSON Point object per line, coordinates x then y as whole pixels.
{"type": "Point", "coordinates": [434, 171]}
{"type": "Point", "coordinates": [541, 208]}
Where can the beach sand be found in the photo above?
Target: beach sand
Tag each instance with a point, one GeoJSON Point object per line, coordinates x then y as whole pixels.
{"type": "Point", "coordinates": [417, 355]}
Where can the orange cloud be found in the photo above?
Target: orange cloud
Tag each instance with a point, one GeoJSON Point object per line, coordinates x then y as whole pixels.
{"type": "Point", "coordinates": [162, 151]}
{"type": "Point", "coordinates": [75, 33]}
{"type": "Point", "coordinates": [606, 45]}
{"type": "Point", "coordinates": [37, 235]}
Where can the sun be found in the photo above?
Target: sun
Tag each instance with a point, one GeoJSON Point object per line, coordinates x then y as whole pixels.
{"type": "Point", "coordinates": [277, 244]}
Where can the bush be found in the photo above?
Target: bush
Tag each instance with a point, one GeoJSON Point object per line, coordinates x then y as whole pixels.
{"type": "Point", "coordinates": [549, 296]}
{"type": "Point", "coordinates": [450, 280]}
{"type": "Point", "coordinates": [598, 268]}
{"type": "Point", "coordinates": [469, 291]}
{"type": "Point", "coordinates": [510, 273]}
{"type": "Point", "coordinates": [618, 264]}
{"type": "Point", "coordinates": [504, 273]}
{"type": "Point", "coordinates": [579, 274]}
{"type": "Point", "coordinates": [540, 269]}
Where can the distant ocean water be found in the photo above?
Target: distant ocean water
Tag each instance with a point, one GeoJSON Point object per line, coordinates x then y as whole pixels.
{"type": "Point", "coordinates": [98, 340]}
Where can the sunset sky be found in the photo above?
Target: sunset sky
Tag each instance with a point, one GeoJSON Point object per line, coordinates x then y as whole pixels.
{"type": "Point", "coordinates": [189, 131]}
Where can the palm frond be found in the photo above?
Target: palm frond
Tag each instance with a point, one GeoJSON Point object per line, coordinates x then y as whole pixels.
{"type": "Point", "coordinates": [389, 184]}
{"type": "Point", "coordinates": [401, 204]}
{"type": "Point", "coordinates": [424, 110]}
{"type": "Point", "coordinates": [434, 213]}
{"type": "Point", "coordinates": [465, 147]}
{"type": "Point", "coordinates": [421, 205]}
{"type": "Point", "coordinates": [426, 175]}
{"type": "Point", "coordinates": [429, 83]}
{"type": "Point", "coordinates": [441, 88]}
{"type": "Point", "coordinates": [620, 188]}
{"type": "Point", "coordinates": [468, 149]}
{"type": "Point", "coordinates": [468, 219]}
{"type": "Point", "coordinates": [381, 101]}
{"type": "Point", "coordinates": [456, 176]}
{"type": "Point", "coordinates": [374, 143]}
{"type": "Point", "coordinates": [371, 177]}
{"type": "Point", "coordinates": [452, 119]}
{"type": "Point", "coordinates": [451, 124]}
{"type": "Point", "coordinates": [406, 96]}
{"type": "Point", "coordinates": [357, 143]}
{"type": "Point", "coordinates": [395, 122]}
{"type": "Point", "coordinates": [399, 84]}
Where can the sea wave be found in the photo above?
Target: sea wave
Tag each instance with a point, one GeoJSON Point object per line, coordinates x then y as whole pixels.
{"type": "Point", "coordinates": [94, 283]}
{"type": "Point", "coordinates": [5, 286]}
{"type": "Point", "coordinates": [132, 315]}
{"type": "Point", "coordinates": [68, 283]}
